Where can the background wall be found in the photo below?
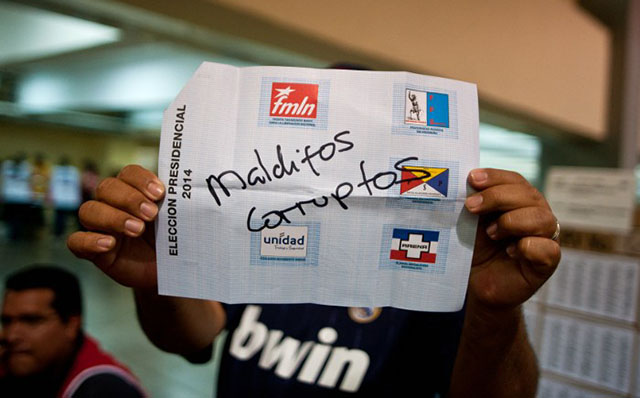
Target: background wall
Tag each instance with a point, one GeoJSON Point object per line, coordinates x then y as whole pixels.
{"type": "Point", "coordinates": [546, 59]}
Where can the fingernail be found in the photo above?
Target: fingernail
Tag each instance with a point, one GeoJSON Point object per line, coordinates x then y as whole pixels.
{"type": "Point", "coordinates": [491, 230]}
{"type": "Point", "coordinates": [511, 250]}
{"type": "Point", "coordinates": [155, 189]}
{"type": "Point", "coordinates": [148, 210]}
{"type": "Point", "coordinates": [105, 243]}
{"type": "Point", "coordinates": [473, 201]}
{"type": "Point", "coordinates": [134, 227]}
{"type": "Point", "coordinates": [479, 176]}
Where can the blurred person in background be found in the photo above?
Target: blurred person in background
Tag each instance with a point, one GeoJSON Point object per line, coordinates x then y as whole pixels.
{"type": "Point", "coordinates": [43, 350]}
{"type": "Point", "coordinates": [17, 195]}
{"type": "Point", "coordinates": [90, 180]}
{"type": "Point", "coordinates": [39, 189]}
{"type": "Point", "coordinates": [65, 194]}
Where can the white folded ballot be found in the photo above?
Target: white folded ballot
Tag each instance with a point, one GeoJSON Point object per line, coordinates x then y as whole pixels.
{"type": "Point", "coordinates": [336, 187]}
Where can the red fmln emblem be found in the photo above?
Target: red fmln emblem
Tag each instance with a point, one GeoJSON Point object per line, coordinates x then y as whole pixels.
{"type": "Point", "coordinates": [294, 100]}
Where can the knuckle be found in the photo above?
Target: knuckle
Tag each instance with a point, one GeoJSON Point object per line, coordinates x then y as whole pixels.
{"type": "Point", "coordinates": [519, 177]}
{"type": "Point", "coordinates": [82, 242]}
{"type": "Point", "coordinates": [550, 220]}
{"type": "Point", "coordinates": [540, 220]}
{"type": "Point", "coordinates": [557, 254]}
{"type": "Point", "coordinates": [86, 209]}
{"type": "Point", "coordinates": [509, 175]}
{"type": "Point", "coordinates": [129, 170]}
{"type": "Point", "coordinates": [534, 193]}
{"type": "Point", "coordinates": [506, 221]}
{"type": "Point", "coordinates": [490, 196]}
{"type": "Point", "coordinates": [77, 243]}
{"type": "Point", "coordinates": [548, 259]}
{"type": "Point", "coordinates": [543, 252]}
{"type": "Point", "coordinates": [104, 187]}
{"type": "Point", "coordinates": [72, 241]}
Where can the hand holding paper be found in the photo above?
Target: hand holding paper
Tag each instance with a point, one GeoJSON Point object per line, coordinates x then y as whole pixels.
{"type": "Point", "coordinates": [118, 241]}
{"type": "Point", "coordinates": [514, 254]}
{"type": "Point", "coordinates": [362, 209]}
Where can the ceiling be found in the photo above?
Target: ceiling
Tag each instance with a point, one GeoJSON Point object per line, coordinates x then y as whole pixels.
{"type": "Point", "coordinates": [30, 34]}
{"type": "Point", "coordinates": [104, 66]}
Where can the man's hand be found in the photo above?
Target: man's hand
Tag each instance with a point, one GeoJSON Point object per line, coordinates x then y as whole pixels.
{"type": "Point", "coordinates": [120, 240]}
{"type": "Point", "coordinates": [121, 243]}
{"type": "Point", "coordinates": [514, 254]}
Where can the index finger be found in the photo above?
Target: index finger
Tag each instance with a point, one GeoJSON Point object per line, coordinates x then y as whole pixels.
{"type": "Point", "coordinates": [143, 180]}
{"type": "Point", "coordinates": [485, 178]}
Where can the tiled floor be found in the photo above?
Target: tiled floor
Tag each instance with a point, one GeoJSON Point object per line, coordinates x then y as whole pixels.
{"type": "Point", "coordinates": [110, 317]}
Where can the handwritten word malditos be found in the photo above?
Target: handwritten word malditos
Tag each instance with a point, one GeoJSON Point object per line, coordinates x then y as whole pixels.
{"type": "Point", "coordinates": [260, 174]}
{"type": "Point", "coordinates": [380, 181]}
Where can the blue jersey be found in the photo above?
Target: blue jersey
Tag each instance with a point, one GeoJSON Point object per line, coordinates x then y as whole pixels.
{"type": "Point", "coordinates": [306, 350]}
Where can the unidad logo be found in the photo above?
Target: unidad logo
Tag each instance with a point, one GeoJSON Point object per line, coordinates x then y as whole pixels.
{"type": "Point", "coordinates": [294, 100]}
{"type": "Point", "coordinates": [284, 241]}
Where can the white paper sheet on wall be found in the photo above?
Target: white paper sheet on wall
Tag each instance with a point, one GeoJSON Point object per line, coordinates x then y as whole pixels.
{"type": "Point", "coordinates": [591, 198]}
{"type": "Point", "coordinates": [598, 284]}
{"type": "Point", "coordinates": [555, 389]}
{"type": "Point", "coordinates": [289, 185]}
{"type": "Point", "coordinates": [587, 351]}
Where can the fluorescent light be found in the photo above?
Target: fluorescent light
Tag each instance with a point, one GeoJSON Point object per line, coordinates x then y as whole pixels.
{"type": "Point", "coordinates": [29, 33]}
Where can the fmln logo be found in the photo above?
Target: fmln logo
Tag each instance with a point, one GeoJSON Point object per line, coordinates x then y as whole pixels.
{"type": "Point", "coordinates": [294, 100]}
{"type": "Point", "coordinates": [426, 182]}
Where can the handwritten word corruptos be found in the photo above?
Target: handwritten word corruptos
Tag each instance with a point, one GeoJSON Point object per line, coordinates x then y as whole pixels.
{"type": "Point", "coordinates": [380, 181]}
{"type": "Point", "coordinates": [260, 174]}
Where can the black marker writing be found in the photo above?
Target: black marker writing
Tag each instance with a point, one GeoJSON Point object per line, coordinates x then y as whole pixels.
{"type": "Point", "coordinates": [260, 174]}
{"type": "Point", "coordinates": [273, 219]}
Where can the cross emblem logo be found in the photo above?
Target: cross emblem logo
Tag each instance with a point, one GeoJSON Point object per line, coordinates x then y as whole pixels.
{"type": "Point", "coordinates": [415, 246]}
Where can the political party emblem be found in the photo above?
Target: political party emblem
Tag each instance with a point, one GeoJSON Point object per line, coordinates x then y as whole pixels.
{"type": "Point", "coordinates": [429, 182]}
{"type": "Point", "coordinates": [294, 100]}
{"type": "Point", "coordinates": [415, 246]}
{"type": "Point", "coordinates": [364, 314]}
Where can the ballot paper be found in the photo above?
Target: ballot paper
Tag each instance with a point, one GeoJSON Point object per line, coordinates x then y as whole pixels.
{"type": "Point", "coordinates": [336, 187]}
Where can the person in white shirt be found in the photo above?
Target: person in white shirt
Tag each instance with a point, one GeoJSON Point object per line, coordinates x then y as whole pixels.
{"type": "Point", "coordinates": [16, 194]}
{"type": "Point", "coordinates": [65, 193]}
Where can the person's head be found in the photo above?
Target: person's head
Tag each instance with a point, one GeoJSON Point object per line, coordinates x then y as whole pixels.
{"type": "Point", "coordinates": [64, 160]}
{"type": "Point", "coordinates": [39, 159]}
{"type": "Point", "coordinates": [19, 157]}
{"type": "Point", "coordinates": [90, 165]}
{"type": "Point", "coordinates": [41, 319]}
